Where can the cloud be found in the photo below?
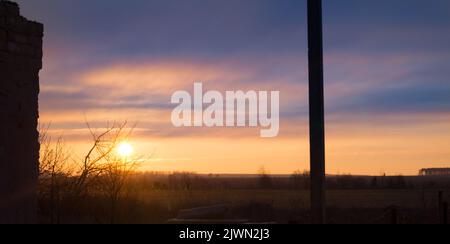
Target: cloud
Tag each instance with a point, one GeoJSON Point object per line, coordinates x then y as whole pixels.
{"type": "Point", "coordinates": [131, 55]}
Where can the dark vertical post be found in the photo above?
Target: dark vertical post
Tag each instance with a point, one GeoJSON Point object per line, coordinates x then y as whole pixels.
{"type": "Point", "coordinates": [440, 205]}
{"type": "Point", "coordinates": [316, 111]}
{"type": "Point", "coordinates": [445, 213]}
{"type": "Point", "coordinates": [394, 216]}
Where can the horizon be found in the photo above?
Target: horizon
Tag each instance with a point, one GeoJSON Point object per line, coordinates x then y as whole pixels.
{"type": "Point", "coordinates": [256, 174]}
{"type": "Point", "coordinates": [249, 175]}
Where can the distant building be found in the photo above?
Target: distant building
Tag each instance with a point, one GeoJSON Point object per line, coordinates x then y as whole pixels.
{"type": "Point", "coordinates": [435, 172]}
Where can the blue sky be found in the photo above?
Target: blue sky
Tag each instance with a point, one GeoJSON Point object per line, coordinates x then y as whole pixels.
{"type": "Point", "coordinates": [255, 30]}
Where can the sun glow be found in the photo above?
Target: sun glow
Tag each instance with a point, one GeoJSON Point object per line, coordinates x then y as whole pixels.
{"type": "Point", "coordinates": [125, 149]}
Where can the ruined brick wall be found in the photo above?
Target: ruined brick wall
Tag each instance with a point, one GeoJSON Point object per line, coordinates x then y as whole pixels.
{"type": "Point", "coordinates": [20, 62]}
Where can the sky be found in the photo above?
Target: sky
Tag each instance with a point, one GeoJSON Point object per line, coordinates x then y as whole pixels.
{"type": "Point", "coordinates": [387, 69]}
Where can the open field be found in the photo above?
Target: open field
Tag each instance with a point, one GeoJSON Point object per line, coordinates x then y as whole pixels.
{"type": "Point", "coordinates": [286, 199]}
{"type": "Point", "coordinates": [281, 206]}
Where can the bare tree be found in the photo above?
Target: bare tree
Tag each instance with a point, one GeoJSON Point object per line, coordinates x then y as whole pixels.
{"type": "Point", "coordinates": [103, 165]}
{"type": "Point", "coordinates": [264, 180]}
{"type": "Point", "coordinates": [100, 171]}
{"type": "Point", "coordinates": [54, 169]}
{"type": "Point", "coordinates": [114, 182]}
{"type": "Point", "coordinates": [301, 179]}
{"type": "Point", "coordinates": [94, 163]}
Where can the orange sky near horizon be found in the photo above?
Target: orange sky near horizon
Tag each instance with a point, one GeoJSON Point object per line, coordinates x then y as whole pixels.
{"type": "Point", "coordinates": [365, 144]}
{"type": "Point", "coordinates": [393, 153]}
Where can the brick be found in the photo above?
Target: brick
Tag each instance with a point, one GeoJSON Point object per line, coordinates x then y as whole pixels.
{"type": "Point", "coordinates": [37, 53]}
{"type": "Point", "coordinates": [12, 47]}
{"type": "Point", "coordinates": [2, 22]}
{"type": "Point", "coordinates": [21, 49]}
{"type": "Point", "coordinates": [3, 46]}
{"type": "Point", "coordinates": [35, 64]}
{"type": "Point", "coordinates": [22, 26]}
{"type": "Point", "coordinates": [3, 40]}
{"type": "Point", "coordinates": [9, 8]}
{"type": "Point", "coordinates": [35, 28]}
{"type": "Point", "coordinates": [18, 38]}
{"type": "Point", "coordinates": [17, 24]}
{"type": "Point", "coordinates": [20, 62]}
{"type": "Point", "coordinates": [4, 56]}
{"type": "Point", "coordinates": [3, 35]}
{"type": "Point", "coordinates": [35, 41]}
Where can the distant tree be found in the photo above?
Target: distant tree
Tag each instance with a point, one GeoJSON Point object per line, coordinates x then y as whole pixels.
{"type": "Point", "coordinates": [264, 179]}
{"type": "Point", "coordinates": [350, 182]}
{"type": "Point", "coordinates": [182, 180]}
{"type": "Point", "coordinates": [374, 183]}
{"type": "Point", "coordinates": [300, 179]}
{"type": "Point", "coordinates": [397, 182]}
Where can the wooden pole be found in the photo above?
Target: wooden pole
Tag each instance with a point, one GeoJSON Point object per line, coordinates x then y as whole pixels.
{"type": "Point", "coordinates": [445, 213]}
{"type": "Point", "coordinates": [394, 216]}
{"type": "Point", "coordinates": [440, 205]}
{"type": "Point", "coordinates": [316, 111]}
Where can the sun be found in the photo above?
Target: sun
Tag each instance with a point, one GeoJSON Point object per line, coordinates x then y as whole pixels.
{"type": "Point", "coordinates": [125, 149]}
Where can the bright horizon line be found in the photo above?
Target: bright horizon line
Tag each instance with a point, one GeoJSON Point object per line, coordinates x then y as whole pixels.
{"type": "Point", "coordinates": [270, 174]}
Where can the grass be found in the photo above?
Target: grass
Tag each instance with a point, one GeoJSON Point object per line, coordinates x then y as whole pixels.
{"type": "Point", "coordinates": [287, 198]}
{"type": "Point", "coordinates": [345, 206]}
{"type": "Point", "coordinates": [283, 206]}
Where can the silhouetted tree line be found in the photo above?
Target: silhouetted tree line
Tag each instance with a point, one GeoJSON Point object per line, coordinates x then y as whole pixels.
{"type": "Point", "coordinates": [301, 180]}
{"type": "Point", "coordinates": [263, 180]}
